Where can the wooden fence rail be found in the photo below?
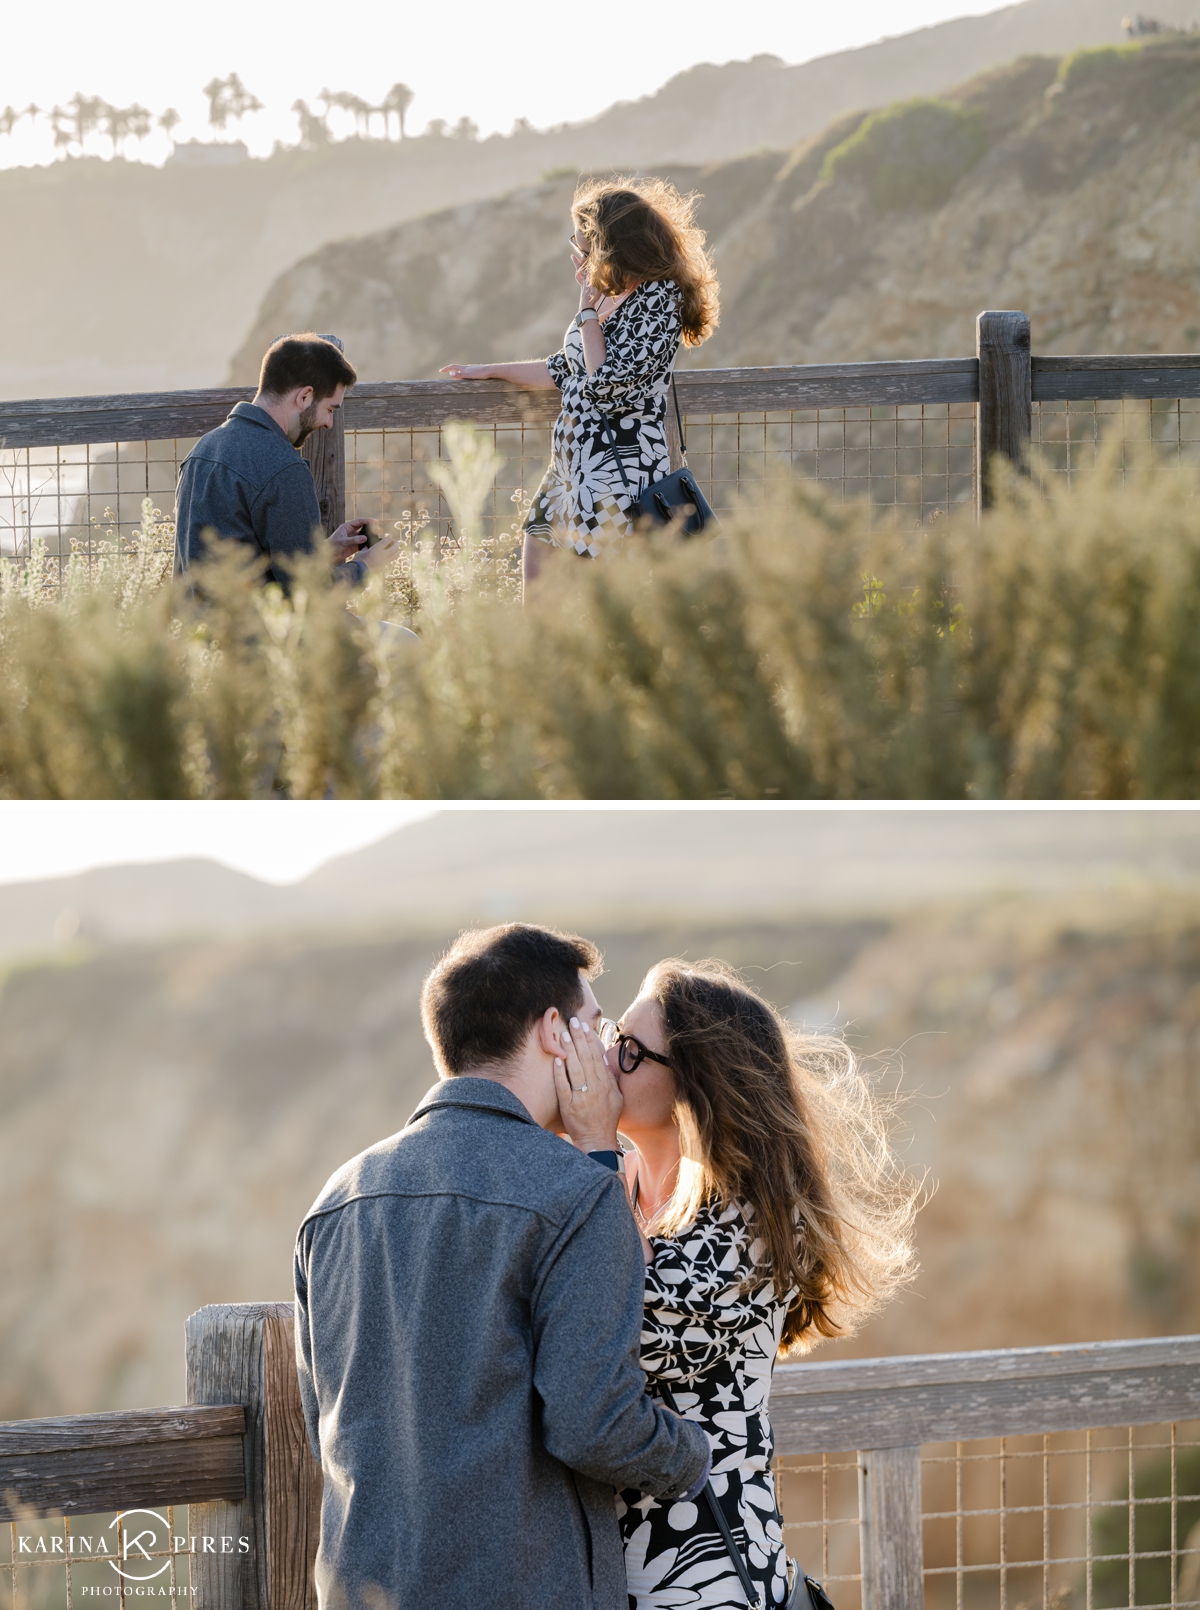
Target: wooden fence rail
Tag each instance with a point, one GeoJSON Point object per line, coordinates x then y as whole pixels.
{"type": "Point", "coordinates": [1003, 380]}
{"type": "Point", "coordinates": [239, 1454]}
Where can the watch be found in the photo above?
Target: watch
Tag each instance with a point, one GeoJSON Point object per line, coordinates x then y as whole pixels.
{"type": "Point", "coordinates": [586, 316]}
{"type": "Point", "coordinates": [613, 1160]}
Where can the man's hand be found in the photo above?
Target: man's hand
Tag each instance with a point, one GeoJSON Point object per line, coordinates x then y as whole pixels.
{"type": "Point", "coordinates": [345, 542]}
{"type": "Point", "coordinates": [349, 542]}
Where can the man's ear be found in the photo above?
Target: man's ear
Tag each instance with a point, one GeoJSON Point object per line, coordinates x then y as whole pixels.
{"type": "Point", "coordinates": [303, 398]}
{"type": "Point", "coordinates": [550, 1027]}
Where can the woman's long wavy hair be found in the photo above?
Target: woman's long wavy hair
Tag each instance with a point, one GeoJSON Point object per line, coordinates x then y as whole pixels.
{"type": "Point", "coordinates": [644, 229]}
{"type": "Point", "coordinates": [787, 1125]}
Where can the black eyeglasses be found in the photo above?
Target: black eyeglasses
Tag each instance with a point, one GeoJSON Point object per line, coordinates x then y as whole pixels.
{"type": "Point", "coordinates": [631, 1053]}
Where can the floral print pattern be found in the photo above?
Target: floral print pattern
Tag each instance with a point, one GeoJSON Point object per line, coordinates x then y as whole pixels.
{"type": "Point", "coordinates": [711, 1334]}
{"type": "Point", "coordinates": [582, 502]}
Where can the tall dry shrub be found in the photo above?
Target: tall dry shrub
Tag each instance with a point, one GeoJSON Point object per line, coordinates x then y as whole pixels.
{"type": "Point", "coordinates": [810, 650]}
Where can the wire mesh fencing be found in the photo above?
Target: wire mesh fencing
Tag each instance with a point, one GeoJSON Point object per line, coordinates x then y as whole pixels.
{"type": "Point", "coordinates": [75, 499]}
{"type": "Point", "coordinates": [917, 459]}
{"type": "Point", "coordinates": [83, 1560]}
{"type": "Point", "coordinates": [1079, 1520]}
{"type": "Point", "coordinates": [913, 460]}
{"type": "Point", "coordinates": [1067, 436]}
{"type": "Point", "coordinates": [818, 1498]}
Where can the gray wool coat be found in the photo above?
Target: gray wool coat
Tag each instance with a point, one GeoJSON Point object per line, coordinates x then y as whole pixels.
{"type": "Point", "coordinates": [469, 1307]}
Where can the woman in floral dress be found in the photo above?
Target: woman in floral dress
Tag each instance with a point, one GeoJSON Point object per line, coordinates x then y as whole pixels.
{"type": "Point", "coordinates": [772, 1214]}
{"type": "Point", "coordinates": [645, 284]}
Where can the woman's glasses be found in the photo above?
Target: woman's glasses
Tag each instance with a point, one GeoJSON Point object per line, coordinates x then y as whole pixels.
{"type": "Point", "coordinates": [631, 1053]}
{"type": "Point", "coordinates": [583, 247]}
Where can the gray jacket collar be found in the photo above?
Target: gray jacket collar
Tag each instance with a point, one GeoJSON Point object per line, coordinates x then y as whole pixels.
{"type": "Point", "coordinates": [487, 1095]}
{"type": "Point", "coordinates": [259, 416]}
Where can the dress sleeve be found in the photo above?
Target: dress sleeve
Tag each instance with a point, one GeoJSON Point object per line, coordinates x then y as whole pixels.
{"type": "Point", "coordinates": [640, 352]}
{"type": "Point", "coordinates": [696, 1298]}
{"type": "Point", "coordinates": [559, 367]}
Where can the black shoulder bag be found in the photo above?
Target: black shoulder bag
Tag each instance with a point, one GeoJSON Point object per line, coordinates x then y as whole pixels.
{"type": "Point", "coordinates": [676, 499]}
{"type": "Point", "coordinates": [806, 1592]}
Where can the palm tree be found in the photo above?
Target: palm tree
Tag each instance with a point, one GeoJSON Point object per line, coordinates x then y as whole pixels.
{"type": "Point", "coordinates": [9, 118]}
{"type": "Point", "coordinates": [169, 121]}
{"type": "Point", "coordinates": [361, 111]}
{"type": "Point", "coordinates": [114, 121]}
{"type": "Point", "coordinates": [77, 120]}
{"type": "Point", "coordinates": [229, 98]}
{"type": "Point", "coordinates": [397, 101]}
{"type": "Point", "coordinates": [314, 130]}
{"type": "Point", "coordinates": [140, 122]}
{"type": "Point", "coordinates": [346, 101]}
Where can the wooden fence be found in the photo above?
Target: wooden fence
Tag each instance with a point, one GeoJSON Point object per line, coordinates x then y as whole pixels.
{"type": "Point", "coordinates": [1008, 388]}
{"type": "Point", "coordinates": [239, 1456]}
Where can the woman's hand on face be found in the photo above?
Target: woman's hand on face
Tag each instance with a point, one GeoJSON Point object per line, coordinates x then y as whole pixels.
{"type": "Point", "coordinates": [589, 1097]}
{"type": "Point", "coordinates": [588, 294]}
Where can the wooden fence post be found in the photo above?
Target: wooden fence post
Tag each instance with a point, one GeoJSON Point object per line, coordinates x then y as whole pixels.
{"type": "Point", "coordinates": [244, 1353]}
{"type": "Point", "coordinates": [889, 1508]}
{"type": "Point", "coordinates": [1004, 413]}
{"type": "Point", "coordinates": [325, 451]}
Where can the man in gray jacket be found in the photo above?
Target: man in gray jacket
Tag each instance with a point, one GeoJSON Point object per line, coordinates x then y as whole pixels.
{"type": "Point", "coordinates": [469, 1306]}
{"type": "Point", "coordinates": [246, 481]}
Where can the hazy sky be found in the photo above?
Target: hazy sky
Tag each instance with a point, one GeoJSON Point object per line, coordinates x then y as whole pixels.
{"type": "Point", "coordinates": [283, 842]}
{"type": "Point", "coordinates": [276, 842]}
{"type": "Point", "coordinates": [548, 62]}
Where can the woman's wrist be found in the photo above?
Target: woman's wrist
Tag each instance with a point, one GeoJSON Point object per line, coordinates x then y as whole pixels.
{"type": "Point", "coordinates": [597, 1142]}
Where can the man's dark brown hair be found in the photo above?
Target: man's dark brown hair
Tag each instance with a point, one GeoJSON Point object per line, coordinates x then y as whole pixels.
{"type": "Point", "coordinates": [493, 984]}
{"type": "Point", "coordinates": [304, 360]}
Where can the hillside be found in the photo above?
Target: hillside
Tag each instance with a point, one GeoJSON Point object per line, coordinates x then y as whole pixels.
{"type": "Point", "coordinates": [1074, 200]}
{"type": "Point", "coordinates": [167, 1113]}
{"type": "Point", "coordinates": [130, 277]}
{"type": "Point", "coordinates": [463, 866]}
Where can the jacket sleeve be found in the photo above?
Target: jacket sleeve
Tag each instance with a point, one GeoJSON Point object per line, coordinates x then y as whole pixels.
{"type": "Point", "coordinates": [304, 1360]}
{"type": "Point", "coordinates": [597, 1417]}
{"type": "Point", "coordinates": [287, 514]}
{"type": "Point", "coordinates": [640, 351]}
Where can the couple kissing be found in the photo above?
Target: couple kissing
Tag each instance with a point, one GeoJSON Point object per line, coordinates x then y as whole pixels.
{"type": "Point", "coordinates": [536, 1328]}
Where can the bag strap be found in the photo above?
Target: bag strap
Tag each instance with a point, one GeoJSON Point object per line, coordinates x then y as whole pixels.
{"type": "Point", "coordinates": [722, 1525]}
{"type": "Point", "coordinates": [679, 420]}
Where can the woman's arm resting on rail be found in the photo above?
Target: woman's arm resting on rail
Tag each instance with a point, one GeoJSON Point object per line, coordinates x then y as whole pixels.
{"type": "Point", "coordinates": [534, 375]}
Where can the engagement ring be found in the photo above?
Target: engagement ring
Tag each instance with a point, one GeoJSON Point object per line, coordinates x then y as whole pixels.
{"type": "Point", "coordinates": [582, 1088]}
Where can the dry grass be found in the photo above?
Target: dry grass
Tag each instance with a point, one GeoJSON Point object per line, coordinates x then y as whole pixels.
{"type": "Point", "coordinates": [806, 652]}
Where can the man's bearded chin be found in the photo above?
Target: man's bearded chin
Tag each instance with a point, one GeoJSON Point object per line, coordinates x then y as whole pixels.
{"type": "Point", "coordinates": [306, 424]}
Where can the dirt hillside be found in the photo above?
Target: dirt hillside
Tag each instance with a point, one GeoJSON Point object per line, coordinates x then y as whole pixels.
{"type": "Point", "coordinates": [1065, 189]}
{"type": "Point", "coordinates": [168, 1112]}
{"type": "Point", "coordinates": [123, 277]}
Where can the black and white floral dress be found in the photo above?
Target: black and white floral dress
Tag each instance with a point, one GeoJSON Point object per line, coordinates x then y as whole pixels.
{"type": "Point", "coordinates": [582, 502]}
{"type": "Point", "coordinates": [714, 1345]}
